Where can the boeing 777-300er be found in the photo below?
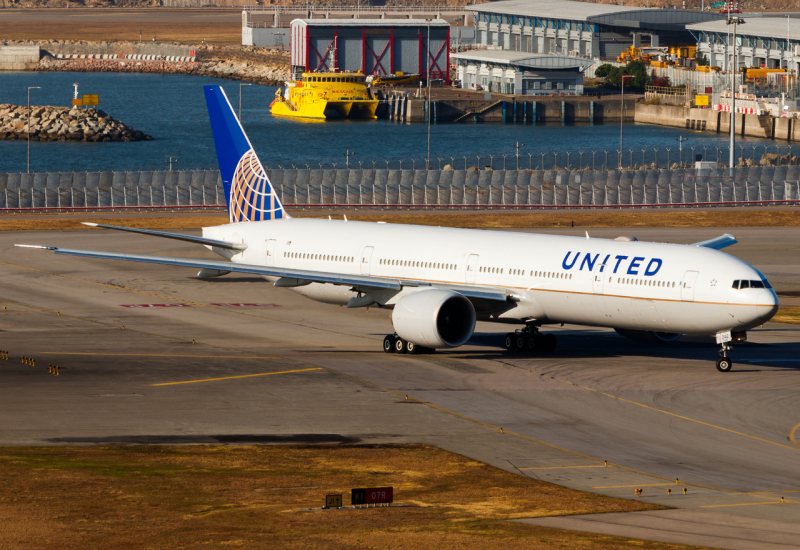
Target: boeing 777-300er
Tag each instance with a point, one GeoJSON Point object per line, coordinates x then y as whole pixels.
{"type": "Point", "coordinates": [440, 281]}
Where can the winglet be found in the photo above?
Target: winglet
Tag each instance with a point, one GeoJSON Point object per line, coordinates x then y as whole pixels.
{"type": "Point", "coordinates": [90, 224]}
{"type": "Point", "coordinates": [37, 246]}
{"type": "Point", "coordinates": [719, 242]}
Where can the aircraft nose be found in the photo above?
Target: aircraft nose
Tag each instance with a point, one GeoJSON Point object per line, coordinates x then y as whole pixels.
{"type": "Point", "coordinates": [766, 304]}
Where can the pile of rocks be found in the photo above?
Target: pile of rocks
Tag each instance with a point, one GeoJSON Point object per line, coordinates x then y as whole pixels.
{"type": "Point", "coordinates": [63, 124]}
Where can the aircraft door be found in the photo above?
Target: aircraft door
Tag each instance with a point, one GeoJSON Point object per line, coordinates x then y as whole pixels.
{"type": "Point", "coordinates": [472, 266]}
{"type": "Point", "coordinates": [597, 279]}
{"type": "Point", "coordinates": [366, 258]}
{"type": "Point", "coordinates": [687, 288]}
{"type": "Point", "coordinates": [269, 257]}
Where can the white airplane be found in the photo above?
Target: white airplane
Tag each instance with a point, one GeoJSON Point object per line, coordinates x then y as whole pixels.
{"type": "Point", "coordinates": [440, 281]}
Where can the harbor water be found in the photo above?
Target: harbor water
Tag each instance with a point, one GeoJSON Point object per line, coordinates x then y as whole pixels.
{"type": "Point", "coordinates": [172, 110]}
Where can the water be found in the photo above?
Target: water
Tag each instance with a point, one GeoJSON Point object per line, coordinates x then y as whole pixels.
{"type": "Point", "coordinates": [172, 109]}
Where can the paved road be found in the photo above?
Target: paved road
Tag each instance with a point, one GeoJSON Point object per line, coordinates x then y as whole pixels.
{"type": "Point", "coordinates": [297, 371]}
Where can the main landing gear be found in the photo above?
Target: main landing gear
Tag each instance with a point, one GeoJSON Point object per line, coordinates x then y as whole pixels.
{"type": "Point", "coordinates": [394, 344]}
{"type": "Point", "coordinates": [529, 340]}
{"type": "Point", "coordinates": [724, 364]}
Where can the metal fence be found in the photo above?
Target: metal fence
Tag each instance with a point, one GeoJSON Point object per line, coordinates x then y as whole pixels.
{"type": "Point", "coordinates": [368, 189]}
{"type": "Point", "coordinates": [588, 159]}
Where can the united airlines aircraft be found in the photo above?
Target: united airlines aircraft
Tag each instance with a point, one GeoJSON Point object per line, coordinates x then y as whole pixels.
{"type": "Point", "coordinates": [438, 281]}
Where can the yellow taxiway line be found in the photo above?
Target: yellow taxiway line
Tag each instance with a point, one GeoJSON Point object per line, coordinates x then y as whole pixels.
{"type": "Point", "coordinates": [563, 467]}
{"type": "Point", "coordinates": [234, 377]}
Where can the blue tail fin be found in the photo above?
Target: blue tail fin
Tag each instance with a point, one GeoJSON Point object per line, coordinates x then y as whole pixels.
{"type": "Point", "coordinates": [249, 193]}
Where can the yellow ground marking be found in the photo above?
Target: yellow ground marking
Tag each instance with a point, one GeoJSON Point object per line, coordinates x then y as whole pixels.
{"type": "Point", "coordinates": [160, 355]}
{"type": "Point", "coordinates": [772, 492]}
{"type": "Point", "coordinates": [675, 415]}
{"type": "Point", "coordinates": [792, 435]}
{"type": "Point", "coordinates": [234, 377]}
{"type": "Point", "coordinates": [747, 504]}
{"type": "Point", "coordinates": [563, 467]}
{"type": "Point", "coordinates": [628, 486]}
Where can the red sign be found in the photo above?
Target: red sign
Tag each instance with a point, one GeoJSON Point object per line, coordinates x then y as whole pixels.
{"type": "Point", "coordinates": [191, 53]}
{"type": "Point", "coordinates": [155, 305]}
{"type": "Point", "coordinates": [709, 90]}
{"type": "Point", "coordinates": [379, 495]}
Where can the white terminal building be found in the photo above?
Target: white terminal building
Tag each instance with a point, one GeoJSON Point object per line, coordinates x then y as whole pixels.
{"type": "Point", "coordinates": [539, 31]}
{"type": "Point", "coordinates": [771, 42]}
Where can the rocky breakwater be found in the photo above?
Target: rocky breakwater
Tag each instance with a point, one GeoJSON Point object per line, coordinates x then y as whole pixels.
{"type": "Point", "coordinates": [63, 124]}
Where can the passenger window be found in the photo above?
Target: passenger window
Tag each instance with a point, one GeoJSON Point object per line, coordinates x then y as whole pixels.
{"type": "Point", "coordinates": [744, 284]}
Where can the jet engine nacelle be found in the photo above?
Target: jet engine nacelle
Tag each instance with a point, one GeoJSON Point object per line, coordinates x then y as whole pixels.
{"type": "Point", "coordinates": [648, 336]}
{"type": "Point", "coordinates": [434, 318]}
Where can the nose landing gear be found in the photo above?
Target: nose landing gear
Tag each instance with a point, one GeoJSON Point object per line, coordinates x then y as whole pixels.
{"type": "Point", "coordinates": [724, 364]}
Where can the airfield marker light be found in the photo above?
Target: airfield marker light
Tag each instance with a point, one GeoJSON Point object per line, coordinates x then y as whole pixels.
{"type": "Point", "coordinates": [781, 499]}
{"type": "Point", "coordinates": [501, 430]}
{"type": "Point", "coordinates": [192, 341]}
{"type": "Point", "coordinates": [56, 370]}
{"type": "Point", "coordinates": [684, 490]}
{"type": "Point", "coordinates": [406, 398]}
{"type": "Point", "coordinates": [4, 308]}
{"type": "Point", "coordinates": [123, 327]}
{"type": "Point", "coordinates": [50, 368]}
{"type": "Point", "coordinates": [669, 492]}
{"type": "Point", "coordinates": [605, 462]}
{"type": "Point", "coordinates": [676, 481]}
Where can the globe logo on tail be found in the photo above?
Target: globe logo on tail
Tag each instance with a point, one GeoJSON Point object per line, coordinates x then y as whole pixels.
{"type": "Point", "coordinates": [252, 196]}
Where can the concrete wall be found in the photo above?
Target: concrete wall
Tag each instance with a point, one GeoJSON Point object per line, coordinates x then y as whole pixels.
{"type": "Point", "coordinates": [119, 48]}
{"type": "Point", "coordinates": [18, 58]}
{"type": "Point", "coordinates": [364, 188]}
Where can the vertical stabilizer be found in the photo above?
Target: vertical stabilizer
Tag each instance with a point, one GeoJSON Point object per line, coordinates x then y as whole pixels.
{"type": "Point", "coordinates": [248, 191]}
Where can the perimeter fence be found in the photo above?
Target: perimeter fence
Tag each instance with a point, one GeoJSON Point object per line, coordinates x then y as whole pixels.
{"type": "Point", "coordinates": [369, 189]}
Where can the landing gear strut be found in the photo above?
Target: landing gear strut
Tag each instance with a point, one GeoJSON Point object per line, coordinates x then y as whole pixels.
{"type": "Point", "coordinates": [530, 340]}
{"type": "Point", "coordinates": [724, 364]}
{"type": "Point", "coordinates": [392, 343]}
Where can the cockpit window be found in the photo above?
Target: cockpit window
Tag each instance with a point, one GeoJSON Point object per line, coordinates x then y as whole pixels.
{"type": "Point", "coordinates": [763, 283]}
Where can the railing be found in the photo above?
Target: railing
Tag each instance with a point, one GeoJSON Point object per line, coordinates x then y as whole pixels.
{"type": "Point", "coordinates": [376, 9]}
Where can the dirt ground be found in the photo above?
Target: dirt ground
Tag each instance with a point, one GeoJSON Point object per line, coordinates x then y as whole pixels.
{"type": "Point", "coordinates": [259, 497]}
{"type": "Point", "coordinates": [185, 33]}
{"type": "Point", "coordinates": [788, 217]}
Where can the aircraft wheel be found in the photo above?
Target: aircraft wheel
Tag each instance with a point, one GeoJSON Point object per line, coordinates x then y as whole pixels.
{"type": "Point", "coordinates": [413, 348]}
{"type": "Point", "coordinates": [521, 342]}
{"type": "Point", "coordinates": [388, 343]}
{"type": "Point", "coordinates": [510, 342]}
{"type": "Point", "coordinates": [724, 364]}
{"type": "Point", "coordinates": [400, 346]}
{"type": "Point", "coordinates": [533, 342]}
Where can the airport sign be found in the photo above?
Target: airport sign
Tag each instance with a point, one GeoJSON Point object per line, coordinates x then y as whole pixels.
{"type": "Point", "coordinates": [333, 501]}
{"type": "Point", "coordinates": [379, 495]}
{"type": "Point", "coordinates": [91, 99]}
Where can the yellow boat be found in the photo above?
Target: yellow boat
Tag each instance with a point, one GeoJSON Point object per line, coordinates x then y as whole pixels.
{"type": "Point", "coordinates": [325, 95]}
{"type": "Point", "coordinates": [396, 79]}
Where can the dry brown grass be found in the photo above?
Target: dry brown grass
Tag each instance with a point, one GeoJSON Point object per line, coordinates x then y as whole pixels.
{"type": "Point", "coordinates": [477, 220]}
{"type": "Point", "coordinates": [189, 33]}
{"type": "Point", "coordinates": [256, 497]}
{"type": "Point", "coordinates": [788, 315]}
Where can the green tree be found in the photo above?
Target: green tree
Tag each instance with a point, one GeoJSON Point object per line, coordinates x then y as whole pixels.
{"type": "Point", "coordinates": [639, 77]}
{"type": "Point", "coordinates": [602, 70]}
{"type": "Point", "coordinates": [701, 60]}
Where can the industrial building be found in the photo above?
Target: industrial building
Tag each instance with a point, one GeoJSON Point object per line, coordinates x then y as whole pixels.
{"type": "Point", "coordinates": [372, 46]}
{"type": "Point", "coordinates": [771, 42]}
{"type": "Point", "coordinates": [520, 73]}
{"type": "Point", "coordinates": [564, 27]}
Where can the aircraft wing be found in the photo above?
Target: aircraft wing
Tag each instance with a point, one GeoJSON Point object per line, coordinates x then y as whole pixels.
{"type": "Point", "coordinates": [176, 236]}
{"type": "Point", "coordinates": [719, 242]}
{"type": "Point", "coordinates": [360, 282]}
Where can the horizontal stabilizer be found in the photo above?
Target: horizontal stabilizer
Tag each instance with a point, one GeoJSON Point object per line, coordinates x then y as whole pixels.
{"type": "Point", "coordinates": [719, 242]}
{"type": "Point", "coordinates": [176, 236]}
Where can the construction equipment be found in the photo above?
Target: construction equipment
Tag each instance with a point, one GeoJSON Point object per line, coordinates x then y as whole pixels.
{"type": "Point", "coordinates": [756, 74]}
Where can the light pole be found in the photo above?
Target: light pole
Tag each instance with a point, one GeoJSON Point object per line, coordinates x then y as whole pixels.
{"type": "Point", "coordinates": [29, 124]}
{"type": "Point", "coordinates": [428, 78]}
{"type": "Point", "coordinates": [347, 154]}
{"type": "Point", "coordinates": [621, 116]}
{"type": "Point", "coordinates": [518, 146]}
{"type": "Point", "coordinates": [240, 100]}
{"type": "Point", "coordinates": [681, 140]}
{"type": "Point", "coordinates": [170, 160]}
{"type": "Point", "coordinates": [733, 20]}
